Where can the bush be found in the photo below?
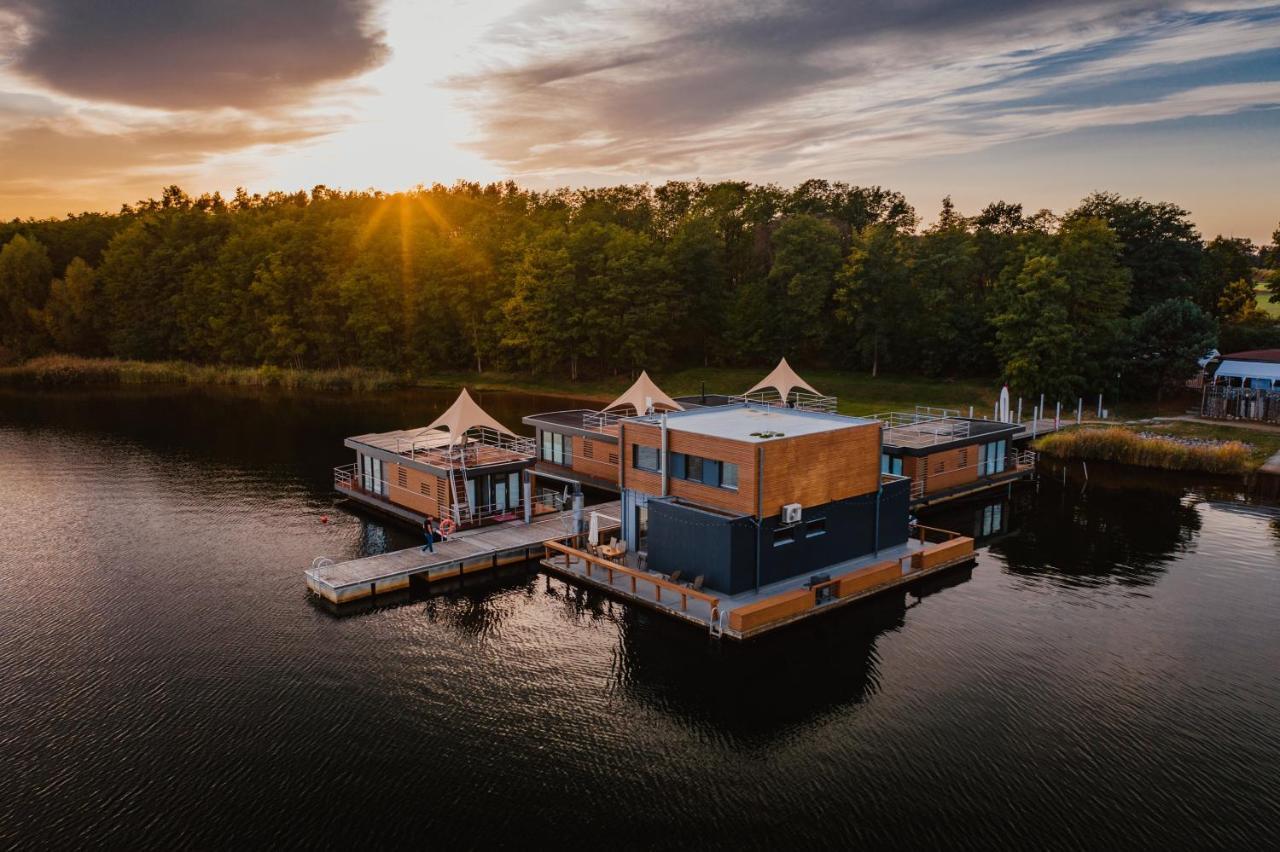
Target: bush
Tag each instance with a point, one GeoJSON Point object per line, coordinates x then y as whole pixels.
{"type": "Point", "coordinates": [1124, 447]}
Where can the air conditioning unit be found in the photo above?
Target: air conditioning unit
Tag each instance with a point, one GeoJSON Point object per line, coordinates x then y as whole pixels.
{"type": "Point", "coordinates": [791, 513]}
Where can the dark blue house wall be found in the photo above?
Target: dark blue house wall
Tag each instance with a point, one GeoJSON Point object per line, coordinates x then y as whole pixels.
{"type": "Point", "coordinates": [724, 549]}
{"type": "Point", "coordinates": [693, 541]}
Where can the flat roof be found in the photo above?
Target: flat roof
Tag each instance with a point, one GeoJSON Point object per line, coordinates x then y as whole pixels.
{"type": "Point", "coordinates": [756, 423]}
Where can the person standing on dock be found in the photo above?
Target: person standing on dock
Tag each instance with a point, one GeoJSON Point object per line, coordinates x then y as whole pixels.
{"type": "Point", "coordinates": [429, 532]}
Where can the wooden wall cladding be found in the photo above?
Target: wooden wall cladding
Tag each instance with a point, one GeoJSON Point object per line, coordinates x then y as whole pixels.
{"type": "Point", "coordinates": [815, 469]}
{"type": "Point", "coordinates": [721, 449]}
{"type": "Point", "coordinates": [948, 468]}
{"type": "Point", "coordinates": [595, 458]}
{"type": "Point", "coordinates": [420, 491]}
{"type": "Point", "coordinates": [808, 469]}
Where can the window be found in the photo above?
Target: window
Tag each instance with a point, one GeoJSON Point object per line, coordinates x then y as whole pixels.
{"type": "Point", "coordinates": [729, 476]}
{"type": "Point", "coordinates": [891, 464]}
{"type": "Point", "coordinates": [556, 448]}
{"type": "Point", "coordinates": [644, 458]}
{"type": "Point", "coordinates": [716, 474]}
{"type": "Point", "coordinates": [991, 457]}
{"type": "Point", "coordinates": [815, 527]}
{"type": "Point", "coordinates": [678, 465]}
{"type": "Point", "coordinates": [786, 535]}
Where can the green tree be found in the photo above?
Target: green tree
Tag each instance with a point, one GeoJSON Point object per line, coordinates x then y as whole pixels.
{"type": "Point", "coordinates": [873, 292]}
{"type": "Point", "coordinates": [1159, 245]}
{"type": "Point", "coordinates": [694, 255]}
{"type": "Point", "coordinates": [1165, 341]}
{"type": "Point", "coordinates": [1238, 302]}
{"type": "Point", "coordinates": [1035, 341]}
{"type": "Point", "coordinates": [1223, 262]}
{"type": "Point", "coordinates": [25, 275]}
{"type": "Point", "coordinates": [802, 282]}
{"type": "Point", "coordinates": [70, 313]}
{"type": "Point", "coordinates": [546, 314]}
{"type": "Point", "coordinates": [953, 326]}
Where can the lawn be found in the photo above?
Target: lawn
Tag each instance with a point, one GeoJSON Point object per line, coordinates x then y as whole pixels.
{"type": "Point", "coordinates": [1270, 308]}
{"type": "Point", "coordinates": [1262, 444]}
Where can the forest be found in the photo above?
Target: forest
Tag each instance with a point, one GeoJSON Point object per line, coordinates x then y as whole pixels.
{"type": "Point", "coordinates": [1115, 293]}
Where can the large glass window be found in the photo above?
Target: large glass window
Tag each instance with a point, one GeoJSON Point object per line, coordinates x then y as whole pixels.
{"type": "Point", "coordinates": [991, 457]}
{"type": "Point", "coordinates": [890, 464]}
{"type": "Point", "coordinates": [556, 448]}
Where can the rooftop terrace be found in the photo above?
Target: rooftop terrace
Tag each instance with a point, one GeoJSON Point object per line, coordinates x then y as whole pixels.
{"type": "Point", "coordinates": [755, 422]}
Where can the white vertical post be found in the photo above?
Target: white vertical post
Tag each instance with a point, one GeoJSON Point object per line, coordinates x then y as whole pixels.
{"type": "Point", "coordinates": [1019, 409]}
{"type": "Point", "coordinates": [1057, 416]}
{"type": "Point", "coordinates": [528, 499]}
{"type": "Point", "coordinates": [1079, 409]}
{"type": "Point", "coordinates": [971, 412]}
{"type": "Point", "coordinates": [1099, 406]}
{"type": "Point", "coordinates": [1035, 421]}
{"type": "Point", "coordinates": [1041, 409]}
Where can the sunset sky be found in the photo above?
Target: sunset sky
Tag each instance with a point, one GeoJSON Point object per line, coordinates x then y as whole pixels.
{"type": "Point", "coordinates": [1038, 102]}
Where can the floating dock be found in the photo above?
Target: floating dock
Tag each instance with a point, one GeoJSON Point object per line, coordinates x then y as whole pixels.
{"type": "Point", "coordinates": [749, 614]}
{"type": "Point", "coordinates": [465, 552]}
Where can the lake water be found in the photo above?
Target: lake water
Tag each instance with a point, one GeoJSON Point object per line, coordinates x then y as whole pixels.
{"type": "Point", "coordinates": [1107, 674]}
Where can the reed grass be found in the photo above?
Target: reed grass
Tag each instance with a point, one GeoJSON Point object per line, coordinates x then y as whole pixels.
{"type": "Point", "coordinates": [1116, 444]}
{"type": "Point", "coordinates": [66, 371]}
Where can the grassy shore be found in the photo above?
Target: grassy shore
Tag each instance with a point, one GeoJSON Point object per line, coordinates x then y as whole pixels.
{"type": "Point", "coordinates": [858, 393]}
{"type": "Point", "coordinates": [1171, 445]}
{"type": "Point", "coordinates": [65, 371]}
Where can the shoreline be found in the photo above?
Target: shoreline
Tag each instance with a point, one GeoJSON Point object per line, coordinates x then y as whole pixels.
{"type": "Point", "coordinates": [859, 394]}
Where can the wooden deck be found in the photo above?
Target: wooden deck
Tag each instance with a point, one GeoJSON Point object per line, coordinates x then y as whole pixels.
{"type": "Point", "coordinates": [465, 552]}
{"type": "Point", "coordinates": [752, 613]}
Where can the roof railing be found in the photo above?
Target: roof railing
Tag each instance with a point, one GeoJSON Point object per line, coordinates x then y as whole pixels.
{"type": "Point", "coordinates": [479, 446]}
{"type": "Point", "coordinates": [799, 400]}
{"type": "Point", "coordinates": [922, 427]}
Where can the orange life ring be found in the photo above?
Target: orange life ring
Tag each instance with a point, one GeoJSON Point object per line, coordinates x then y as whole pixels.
{"type": "Point", "coordinates": [447, 526]}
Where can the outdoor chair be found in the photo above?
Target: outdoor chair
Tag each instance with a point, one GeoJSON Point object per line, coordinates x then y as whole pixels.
{"type": "Point", "coordinates": [696, 585]}
{"type": "Point", "coordinates": [676, 575]}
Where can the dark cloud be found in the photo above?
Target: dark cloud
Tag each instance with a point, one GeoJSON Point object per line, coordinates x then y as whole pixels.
{"type": "Point", "coordinates": [667, 82]}
{"type": "Point", "coordinates": [189, 54]}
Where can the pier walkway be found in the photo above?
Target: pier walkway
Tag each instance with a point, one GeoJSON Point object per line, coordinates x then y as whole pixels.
{"type": "Point", "coordinates": [465, 552]}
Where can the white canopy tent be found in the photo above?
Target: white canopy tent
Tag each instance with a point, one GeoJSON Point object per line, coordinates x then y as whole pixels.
{"type": "Point", "coordinates": [643, 396]}
{"type": "Point", "coordinates": [466, 414]}
{"type": "Point", "coordinates": [784, 380]}
{"type": "Point", "coordinates": [1230, 369]}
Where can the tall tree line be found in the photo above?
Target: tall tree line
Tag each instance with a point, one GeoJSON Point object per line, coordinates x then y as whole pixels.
{"type": "Point", "coordinates": [613, 280]}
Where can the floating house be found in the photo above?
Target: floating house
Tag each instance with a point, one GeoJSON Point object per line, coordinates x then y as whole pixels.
{"type": "Point", "coordinates": [464, 466]}
{"type": "Point", "coordinates": [750, 493]}
{"type": "Point", "coordinates": [740, 513]}
{"type": "Point", "coordinates": [1244, 386]}
{"type": "Point", "coordinates": [579, 447]}
{"type": "Point", "coordinates": [946, 456]}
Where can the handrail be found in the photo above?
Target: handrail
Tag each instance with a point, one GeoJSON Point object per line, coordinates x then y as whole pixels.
{"type": "Point", "coordinates": [659, 583]}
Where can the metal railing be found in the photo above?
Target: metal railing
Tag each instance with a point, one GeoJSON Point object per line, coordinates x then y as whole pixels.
{"type": "Point", "coordinates": [800, 400]}
{"type": "Point", "coordinates": [1016, 461]}
{"type": "Point", "coordinates": [478, 447]}
{"type": "Point", "coordinates": [601, 421]}
{"type": "Point", "coordinates": [920, 428]}
{"type": "Point", "coordinates": [1241, 404]}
